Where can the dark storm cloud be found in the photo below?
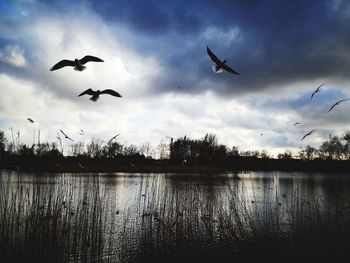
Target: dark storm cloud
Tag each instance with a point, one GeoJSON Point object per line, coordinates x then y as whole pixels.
{"type": "Point", "coordinates": [282, 41]}
{"type": "Point", "coordinates": [278, 42]}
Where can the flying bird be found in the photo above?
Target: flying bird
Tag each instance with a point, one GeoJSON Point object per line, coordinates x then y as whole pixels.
{"type": "Point", "coordinates": [317, 90]}
{"type": "Point", "coordinates": [337, 103]}
{"type": "Point", "coordinates": [219, 66]}
{"type": "Point", "coordinates": [115, 136]}
{"type": "Point", "coordinates": [76, 63]}
{"type": "Point", "coordinates": [309, 133]}
{"type": "Point", "coordinates": [296, 123]}
{"type": "Point", "coordinates": [96, 94]}
{"type": "Point", "coordinates": [66, 136]}
{"type": "Point", "coordinates": [31, 120]}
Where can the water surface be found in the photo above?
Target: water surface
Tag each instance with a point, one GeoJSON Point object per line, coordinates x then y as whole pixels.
{"type": "Point", "coordinates": [120, 217]}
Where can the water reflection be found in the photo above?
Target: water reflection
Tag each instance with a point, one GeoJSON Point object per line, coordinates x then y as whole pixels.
{"type": "Point", "coordinates": [119, 217]}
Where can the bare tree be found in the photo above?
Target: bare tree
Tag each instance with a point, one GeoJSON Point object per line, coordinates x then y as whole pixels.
{"type": "Point", "coordinates": [77, 149]}
{"type": "Point", "coordinates": [145, 149]}
{"type": "Point", "coordinates": [2, 143]}
{"type": "Point", "coordinates": [131, 150]}
{"type": "Point", "coordinates": [94, 149]}
{"type": "Point", "coordinates": [163, 150]}
{"type": "Point", "coordinates": [287, 155]}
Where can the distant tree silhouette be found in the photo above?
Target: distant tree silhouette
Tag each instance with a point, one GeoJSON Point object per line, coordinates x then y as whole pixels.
{"type": "Point", "coordinates": [112, 149]}
{"type": "Point", "coordinates": [287, 155]}
{"type": "Point", "coordinates": [24, 150]}
{"type": "Point", "coordinates": [336, 147]}
{"type": "Point", "coordinates": [94, 149]}
{"type": "Point", "coordinates": [2, 143]}
{"type": "Point", "coordinates": [145, 149]}
{"type": "Point", "coordinates": [331, 149]}
{"type": "Point", "coordinates": [163, 149]}
{"type": "Point", "coordinates": [130, 150]}
{"type": "Point", "coordinates": [46, 150]}
{"type": "Point", "coordinates": [323, 152]}
{"type": "Point", "coordinates": [77, 149]}
{"type": "Point", "coordinates": [346, 147]}
{"type": "Point", "coordinates": [183, 150]}
{"type": "Point", "coordinates": [309, 152]}
{"type": "Point", "coordinates": [233, 152]}
{"type": "Point", "coordinates": [265, 155]}
{"type": "Point", "coordinates": [42, 149]}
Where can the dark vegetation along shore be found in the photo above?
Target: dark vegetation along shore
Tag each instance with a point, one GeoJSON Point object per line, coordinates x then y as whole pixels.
{"type": "Point", "coordinates": [181, 155]}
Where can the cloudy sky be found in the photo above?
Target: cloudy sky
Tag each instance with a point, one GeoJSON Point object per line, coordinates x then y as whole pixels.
{"type": "Point", "coordinates": [155, 56]}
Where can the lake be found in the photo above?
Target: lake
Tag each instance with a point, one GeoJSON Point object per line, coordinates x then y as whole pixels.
{"type": "Point", "coordinates": [120, 217]}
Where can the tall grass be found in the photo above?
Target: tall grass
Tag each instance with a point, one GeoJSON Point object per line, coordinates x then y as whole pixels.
{"type": "Point", "coordinates": [65, 218]}
{"type": "Point", "coordinates": [52, 219]}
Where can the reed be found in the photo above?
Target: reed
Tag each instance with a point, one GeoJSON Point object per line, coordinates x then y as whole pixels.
{"type": "Point", "coordinates": [67, 218]}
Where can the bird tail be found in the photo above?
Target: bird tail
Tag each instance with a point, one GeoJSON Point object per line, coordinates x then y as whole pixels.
{"type": "Point", "coordinates": [216, 70]}
{"type": "Point", "coordinates": [94, 98]}
{"type": "Point", "coordinates": [79, 68]}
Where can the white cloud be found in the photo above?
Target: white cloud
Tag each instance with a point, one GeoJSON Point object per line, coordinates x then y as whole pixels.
{"type": "Point", "coordinates": [50, 98]}
{"type": "Point", "coordinates": [13, 55]}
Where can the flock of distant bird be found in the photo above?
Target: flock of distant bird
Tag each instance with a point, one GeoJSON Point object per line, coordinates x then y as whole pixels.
{"type": "Point", "coordinates": [331, 108]}
{"type": "Point", "coordinates": [218, 67]}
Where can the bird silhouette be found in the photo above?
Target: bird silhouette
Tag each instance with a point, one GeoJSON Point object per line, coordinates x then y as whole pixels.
{"type": "Point", "coordinates": [31, 120]}
{"type": "Point", "coordinates": [96, 93]}
{"type": "Point", "coordinates": [296, 123]}
{"type": "Point", "coordinates": [115, 136]}
{"type": "Point", "coordinates": [337, 103]}
{"type": "Point", "coordinates": [219, 65]}
{"type": "Point", "coordinates": [309, 133]}
{"type": "Point", "coordinates": [66, 136]}
{"type": "Point", "coordinates": [76, 63]}
{"type": "Point", "coordinates": [317, 90]}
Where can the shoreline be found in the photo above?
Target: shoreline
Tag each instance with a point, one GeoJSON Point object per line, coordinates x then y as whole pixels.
{"type": "Point", "coordinates": [139, 164]}
{"type": "Point", "coordinates": [339, 167]}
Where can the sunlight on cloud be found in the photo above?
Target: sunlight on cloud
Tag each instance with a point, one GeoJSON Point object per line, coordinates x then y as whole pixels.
{"type": "Point", "coordinates": [54, 38]}
{"type": "Point", "coordinates": [13, 55]}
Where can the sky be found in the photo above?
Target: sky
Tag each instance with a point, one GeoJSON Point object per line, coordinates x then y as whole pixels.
{"type": "Point", "coordinates": [155, 56]}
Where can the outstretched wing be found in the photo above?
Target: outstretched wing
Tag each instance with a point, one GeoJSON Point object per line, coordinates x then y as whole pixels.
{"type": "Point", "coordinates": [335, 104]}
{"type": "Point", "coordinates": [317, 90]}
{"type": "Point", "coordinates": [313, 93]}
{"type": "Point", "coordinates": [66, 136]}
{"type": "Point", "coordinates": [338, 102]}
{"type": "Point", "coordinates": [87, 92]}
{"type": "Point", "coordinates": [88, 58]}
{"type": "Point", "coordinates": [62, 63]}
{"type": "Point", "coordinates": [111, 92]}
{"type": "Point", "coordinates": [309, 133]}
{"type": "Point", "coordinates": [115, 136]}
{"type": "Point", "coordinates": [229, 69]}
{"type": "Point", "coordinates": [64, 133]}
{"type": "Point", "coordinates": [213, 57]}
{"type": "Point", "coordinates": [29, 119]}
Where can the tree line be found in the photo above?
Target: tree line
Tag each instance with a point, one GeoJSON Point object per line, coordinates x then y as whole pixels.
{"type": "Point", "coordinates": [179, 150]}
